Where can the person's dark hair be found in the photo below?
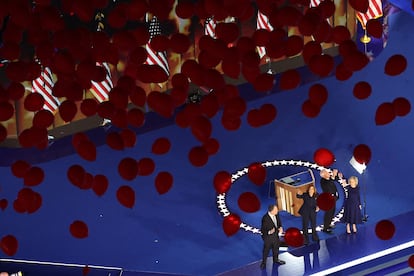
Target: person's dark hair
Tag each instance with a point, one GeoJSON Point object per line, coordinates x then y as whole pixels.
{"type": "Point", "coordinates": [271, 206]}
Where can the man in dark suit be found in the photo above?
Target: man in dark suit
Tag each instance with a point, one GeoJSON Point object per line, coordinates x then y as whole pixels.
{"type": "Point", "coordinates": [328, 186]}
{"type": "Point", "coordinates": [271, 228]}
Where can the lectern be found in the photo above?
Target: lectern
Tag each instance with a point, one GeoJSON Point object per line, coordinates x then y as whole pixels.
{"type": "Point", "coordinates": [287, 187]}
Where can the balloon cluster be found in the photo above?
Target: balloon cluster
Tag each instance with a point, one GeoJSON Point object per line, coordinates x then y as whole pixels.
{"type": "Point", "coordinates": [73, 53]}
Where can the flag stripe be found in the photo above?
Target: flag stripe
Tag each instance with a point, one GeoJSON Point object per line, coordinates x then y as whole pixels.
{"type": "Point", "coordinates": [374, 11]}
{"type": "Point", "coordinates": [101, 90]}
{"type": "Point", "coordinates": [262, 22]}
{"type": "Point", "coordinates": [210, 27]}
{"type": "Point", "coordinates": [44, 86]}
{"type": "Point", "coordinates": [315, 3]}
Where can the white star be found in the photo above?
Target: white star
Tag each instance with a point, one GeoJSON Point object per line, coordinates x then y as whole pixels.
{"type": "Point", "coordinates": [291, 162]}
{"type": "Point", "coordinates": [283, 162]}
{"type": "Point", "coordinates": [306, 164]}
{"type": "Point", "coordinates": [267, 164]}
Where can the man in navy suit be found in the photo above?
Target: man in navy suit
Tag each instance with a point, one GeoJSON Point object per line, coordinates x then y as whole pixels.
{"type": "Point", "coordinates": [271, 228]}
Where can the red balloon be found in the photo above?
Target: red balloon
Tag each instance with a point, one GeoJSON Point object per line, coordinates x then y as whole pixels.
{"type": "Point", "coordinates": [136, 117]}
{"type": "Point", "coordinates": [234, 107]}
{"type": "Point", "coordinates": [126, 196]}
{"type": "Point", "coordinates": [268, 113]}
{"type": "Point", "coordinates": [318, 94]}
{"type": "Point", "coordinates": [385, 114]}
{"type": "Point", "coordinates": [209, 105]}
{"type": "Point", "coordinates": [34, 176]}
{"type": "Point", "coordinates": [362, 90]}
{"type": "Point", "coordinates": [294, 45]}
{"type": "Point", "coordinates": [395, 65]}
{"type": "Point", "coordinates": [293, 237]}
{"type": "Point", "coordinates": [114, 140]}
{"type": "Point", "coordinates": [374, 28]}
{"type": "Point", "coordinates": [324, 157]}
{"type": "Point", "coordinates": [231, 123]}
{"type": "Point", "coordinates": [249, 202]}
{"type": "Point", "coordinates": [79, 229]}
{"type": "Point", "coordinates": [342, 73]}
{"type": "Point", "coordinates": [311, 48]}
{"type": "Point", "coordinates": [231, 224]}
{"type": "Point", "coordinates": [129, 137]}
{"type": "Point", "coordinates": [254, 118]}
{"type": "Point", "coordinates": [67, 110]}
{"type": "Point", "coordinates": [198, 156]}
{"type": "Point", "coordinates": [325, 201]}
{"type": "Point", "coordinates": [3, 204]}
{"type": "Point", "coordinates": [27, 201]}
{"type": "Point", "coordinates": [321, 65]}
{"type": "Point", "coordinates": [19, 168]}
{"type": "Point", "coordinates": [411, 261]}
{"type": "Point", "coordinates": [228, 32]}
{"type": "Point", "coordinates": [184, 9]}
{"type": "Point", "coordinates": [385, 229]}
{"type": "Point", "coordinates": [161, 103]}
{"type": "Point", "coordinates": [362, 154]}
{"type": "Point", "coordinates": [180, 43]}
{"type": "Point", "coordinates": [201, 128]}
{"type": "Point", "coordinates": [6, 111]}
{"type": "Point", "coordinates": [289, 79]}
{"type": "Point", "coordinates": [86, 149]}
{"type": "Point", "coordinates": [100, 184]}
{"type": "Point", "coordinates": [360, 5]}
{"type": "Point", "coordinates": [161, 145]}
{"type": "Point", "coordinates": [76, 175]}
{"type": "Point", "coordinates": [34, 102]}
{"type": "Point", "coordinates": [401, 106]}
{"type": "Point", "coordinates": [257, 173]}
{"type": "Point", "coordinates": [340, 34]}
{"type": "Point", "coordinates": [78, 137]}
{"type": "Point", "coordinates": [355, 60]}
{"type": "Point", "coordinates": [43, 119]}
{"type": "Point", "coordinates": [163, 182]}
{"type": "Point", "coordinates": [211, 146]}
{"type": "Point", "coordinates": [310, 110]}
{"type": "Point", "coordinates": [9, 245]}
{"type": "Point", "coordinates": [128, 168]}
{"type": "Point", "coordinates": [222, 182]}
{"type": "Point", "coordinates": [146, 166]}
{"type": "Point", "coordinates": [264, 82]}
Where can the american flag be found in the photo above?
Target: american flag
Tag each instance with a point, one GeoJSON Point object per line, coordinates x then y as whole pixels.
{"type": "Point", "coordinates": [210, 27]}
{"type": "Point", "coordinates": [314, 3]}
{"type": "Point", "coordinates": [262, 22]}
{"type": "Point", "coordinates": [154, 57]}
{"type": "Point", "coordinates": [44, 85]}
{"type": "Point", "coordinates": [374, 11]}
{"type": "Point", "coordinates": [101, 90]}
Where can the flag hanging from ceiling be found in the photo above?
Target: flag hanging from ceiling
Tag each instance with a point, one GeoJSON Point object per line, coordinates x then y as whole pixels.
{"type": "Point", "coordinates": [154, 57]}
{"type": "Point", "coordinates": [44, 86]}
{"type": "Point", "coordinates": [101, 90]}
{"type": "Point", "coordinates": [262, 22]}
{"type": "Point", "coordinates": [210, 27]}
{"type": "Point", "coordinates": [374, 11]}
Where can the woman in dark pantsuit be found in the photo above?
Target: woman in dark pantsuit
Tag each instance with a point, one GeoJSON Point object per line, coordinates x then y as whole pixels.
{"type": "Point", "coordinates": [308, 212]}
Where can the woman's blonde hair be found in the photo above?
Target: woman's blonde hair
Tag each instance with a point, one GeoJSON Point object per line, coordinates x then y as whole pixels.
{"type": "Point", "coordinates": [353, 178]}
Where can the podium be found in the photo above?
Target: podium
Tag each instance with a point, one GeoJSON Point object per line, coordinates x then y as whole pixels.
{"type": "Point", "coordinates": [287, 187]}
